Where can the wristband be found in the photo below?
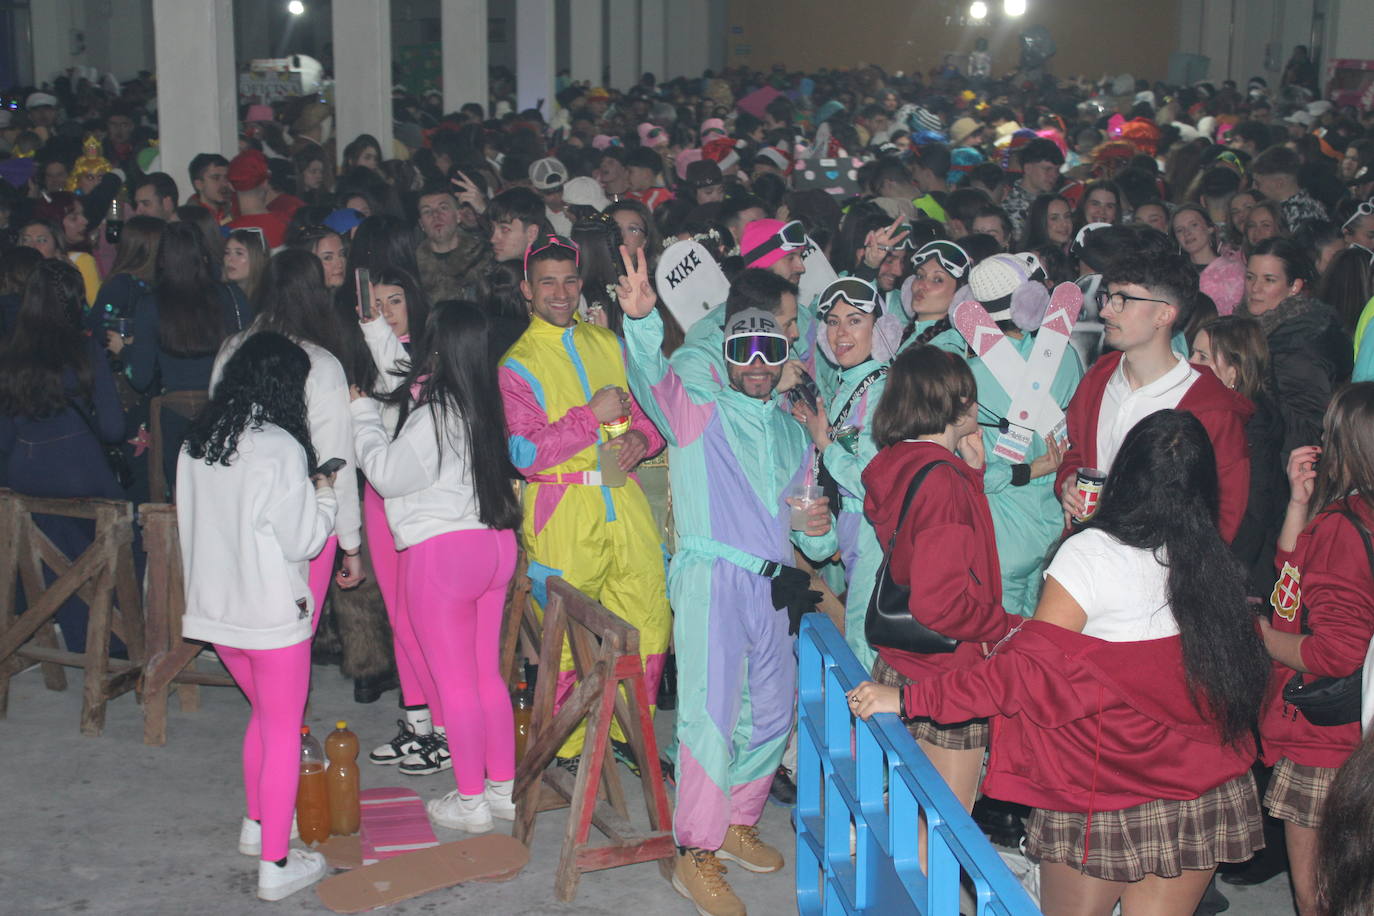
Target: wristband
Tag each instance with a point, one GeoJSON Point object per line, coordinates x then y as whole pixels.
{"type": "Point", "coordinates": [1020, 475]}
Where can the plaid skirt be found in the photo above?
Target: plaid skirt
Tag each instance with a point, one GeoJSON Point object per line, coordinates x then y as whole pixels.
{"type": "Point", "coordinates": [962, 736]}
{"type": "Point", "coordinates": [1298, 793]}
{"type": "Point", "coordinates": [1161, 837]}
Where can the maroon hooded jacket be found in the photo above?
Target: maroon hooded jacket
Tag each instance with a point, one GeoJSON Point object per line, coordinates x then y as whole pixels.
{"type": "Point", "coordinates": [1222, 412]}
{"type": "Point", "coordinates": [1327, 574]}
{"type": "Point", "coordinates": [946, 552]}
{"type": "Point", "coordinates": [1081, 724]}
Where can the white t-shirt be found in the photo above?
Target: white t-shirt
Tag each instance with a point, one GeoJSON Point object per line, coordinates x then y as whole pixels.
{"type": "Point", "coordinates": [1122, 408]}
{"type": "Point", "coordinates": [1123, 590]}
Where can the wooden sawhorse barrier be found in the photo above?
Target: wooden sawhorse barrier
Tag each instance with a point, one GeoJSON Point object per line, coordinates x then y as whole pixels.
{"type": "Point", "coordinates": [102, 576]}
{"type": "Point", "coordinates": [605, 653]}
{"type": "Point", "coordinates": [170, 658]}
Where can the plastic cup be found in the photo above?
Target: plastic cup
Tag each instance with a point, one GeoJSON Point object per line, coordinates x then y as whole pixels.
{"type": "Point", "coordinates": [1089, 486]}
{"type": "Point", "coordinates": [609, 453]}
{"type": "Point", "coordinates": [801, 499]}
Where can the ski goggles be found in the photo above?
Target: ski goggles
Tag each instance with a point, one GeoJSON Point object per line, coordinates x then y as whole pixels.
{"type": "Point", "coordinates": [743, 349]}
{"type": "Point", "coordinates": [789, 238]}
{"type": "Point", "coordinates": [1364, 209]}
{"type": "Point", "coordinates": [552, 241]}
{"type": "Point", "coordinates": [857, 292]}
{"type": "Point", "coordinates": [952, 258]}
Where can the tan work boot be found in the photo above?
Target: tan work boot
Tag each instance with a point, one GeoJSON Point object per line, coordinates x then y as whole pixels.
{"type": "Point", "coordinates": [742, 845]}
{"type": "Point", "coordinates": [699, 876]}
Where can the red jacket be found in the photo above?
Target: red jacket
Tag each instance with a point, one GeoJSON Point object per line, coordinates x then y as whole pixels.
{"type": "Point", "coordinates": [1081, 724]}
{"type": "Point", "coordinates": [1222, 412]}
{"type": "Point", "coordinates": [1328, 573]}
{"type": "Point", "coordinates": [946, 552]}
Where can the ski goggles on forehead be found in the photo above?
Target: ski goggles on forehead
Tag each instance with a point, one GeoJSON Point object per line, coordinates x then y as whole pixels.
{"type": "Point", "coordinates": [919, 234]}
{"type": "Point", "coordinates": [552, 241]}
{"type": "Point", "coordinates": [789, 238]}
{"type": "Point", "coordinates": [743, 349]}
{"type": "Point", "coordinates": [1364, 209]}
{"type": "Point", "coordinates": [952, 258]}
{"type": "Point", "coordinates": [859, 293]}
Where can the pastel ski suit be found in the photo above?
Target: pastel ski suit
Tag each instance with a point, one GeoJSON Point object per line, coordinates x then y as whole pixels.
{"type": "Point", "coordinates": [732, 459]}
{"type": "Point", "coordinates": [1027, 519]}
{"type": "Point", "coordinates": [601, 540]}
{"type": "Point", "coordinates": [859, 547]}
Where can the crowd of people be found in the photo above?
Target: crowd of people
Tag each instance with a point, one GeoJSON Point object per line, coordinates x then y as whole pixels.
{"type": "Point", "coordinates": [336, 362]}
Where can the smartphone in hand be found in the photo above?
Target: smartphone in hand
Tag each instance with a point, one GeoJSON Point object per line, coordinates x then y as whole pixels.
{"type": "Point", "coordinates": [363, 277]}
{"type": "Point", "coordinates": [332, 466]}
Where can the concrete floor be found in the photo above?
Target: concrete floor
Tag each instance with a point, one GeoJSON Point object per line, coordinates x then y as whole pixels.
{"type": "Point", "coordinates": [110, 826]}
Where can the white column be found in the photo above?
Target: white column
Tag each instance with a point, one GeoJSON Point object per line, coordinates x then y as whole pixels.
{"type": "Point", "coordinates": [624, 49]}
{"type": "Point", "coordinates": [653, 38]}
{"type": "Point", "coordinates": [50, 22]}
{"type": "Point", "coordinates": [464, 44]}
{"type": "Point", "coordinates": [196, 91]}
{"type": "Point", "coordinates": [688, 53]}
{"type": "Point", "coordinates": [584, 28]}
{"type": "Point", "coordinates": [362, 71]}
{"type": "Point", "coordinates": [534, 70]}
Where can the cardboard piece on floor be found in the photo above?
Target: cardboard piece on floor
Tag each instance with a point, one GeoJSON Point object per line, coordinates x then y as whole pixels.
{"type": "Point", "coordinates": [494, 857]}
{"type": "Point", "coordinates": [393, 822]}
{"type": "Point", "coordinates": [344, 852]}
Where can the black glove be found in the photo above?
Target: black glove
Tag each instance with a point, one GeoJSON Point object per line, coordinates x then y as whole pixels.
{"type": "Point", "coordinates": [792, 590]}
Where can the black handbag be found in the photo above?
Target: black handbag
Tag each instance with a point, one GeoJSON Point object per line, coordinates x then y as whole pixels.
{"type": "Point", "coordinates": [1331, 700]}
{"type": "Point", "coordinates": [115, 458]}
{"type": "Point", "coordinates": [889, 622]}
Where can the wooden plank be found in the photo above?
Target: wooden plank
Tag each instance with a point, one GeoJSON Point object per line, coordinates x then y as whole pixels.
{"type": "Point", "coordinates": [97, 646]}
{"type": "Point", "coordinates": [659, 846]}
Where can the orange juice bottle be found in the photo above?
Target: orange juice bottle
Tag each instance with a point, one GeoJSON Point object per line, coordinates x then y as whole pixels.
{"type": "Point", "coordinates": [342, 749]}
{"type": "Point", "coordinates": [312, 794]}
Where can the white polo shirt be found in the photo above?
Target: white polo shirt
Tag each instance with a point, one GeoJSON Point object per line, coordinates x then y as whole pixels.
{"type": "Point", "coordinates": [1122, 408]}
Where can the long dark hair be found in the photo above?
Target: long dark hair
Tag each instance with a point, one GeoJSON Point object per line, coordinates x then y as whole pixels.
{"type": "Point", "coordinates": [1347, 465]}
{"type": "Point", "coordinates": [1162, 496]}
{"type": "Point", "coordinates": [417, 303]}
{"type": "Point", "coordinates": [46, 341]}
{"type": "Point", "coordinates": [263, 382]}
{"type": "Point", "coordinates": [190, 314]}
{"type": "Point", "coordinates": [138, 247]}
{"type": "Point", "coordinates": [292, 300]}
{"type": "Point", "coordinates": [1345, 840]}
{"type": "Point", "coordinates": [457, 381]}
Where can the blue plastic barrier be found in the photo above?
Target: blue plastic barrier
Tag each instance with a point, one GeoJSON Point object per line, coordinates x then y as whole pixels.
{"type": "Point", "coordinates": [844, 767]}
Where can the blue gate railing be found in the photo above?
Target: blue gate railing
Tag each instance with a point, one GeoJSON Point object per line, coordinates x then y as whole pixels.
{"type": "Point", "coordinates": [873, 776]}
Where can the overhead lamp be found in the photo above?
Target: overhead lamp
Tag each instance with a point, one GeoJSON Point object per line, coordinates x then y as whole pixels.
{"type": "Point", "coordinates": [978, 10]}
{"type": "Point", "coordinates": [295, 7]}
{"type": "Point", "coordinates": [1014, 7]}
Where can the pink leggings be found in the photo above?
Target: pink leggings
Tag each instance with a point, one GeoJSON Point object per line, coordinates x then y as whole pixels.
{"type": "Point", "coordinates": [455, 591]}
{"type": "Point", "coordinates": [416, 685]}
{"type": "Point", "coordinates": [321, 571]}
{"type": "Point", "coordinates": [276, 682]}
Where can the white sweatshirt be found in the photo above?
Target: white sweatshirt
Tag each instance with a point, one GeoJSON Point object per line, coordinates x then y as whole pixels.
{"type": "Point", "coordinates": [331, 429]}
{"type": "Point", "coordinates": [247, 534]}
{"type": "Point", "coordinates": [423, 495]}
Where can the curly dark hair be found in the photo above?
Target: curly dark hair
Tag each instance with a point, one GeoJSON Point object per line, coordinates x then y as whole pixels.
{"type": "Point", "coordinates": [263, 382]}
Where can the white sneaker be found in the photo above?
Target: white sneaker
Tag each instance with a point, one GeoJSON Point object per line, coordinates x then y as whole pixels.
{"type": "Point", "coordinates": [250, 836]}
{"type": "Point", "coordinates": [498, 796]}
{"type": "Point", "coordinates": [301, 870]}
{"type": "Point", "coordinates": [461, 812]}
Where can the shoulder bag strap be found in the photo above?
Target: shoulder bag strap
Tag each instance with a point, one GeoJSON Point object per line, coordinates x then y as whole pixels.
{"type": "Point", "coordinates": [906, 502]}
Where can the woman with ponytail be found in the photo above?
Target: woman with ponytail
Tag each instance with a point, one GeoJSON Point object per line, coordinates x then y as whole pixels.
{"type": "Point", "coordinates": [1124, 711]}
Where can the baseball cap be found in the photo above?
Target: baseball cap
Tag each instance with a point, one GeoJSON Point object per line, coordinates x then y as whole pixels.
{"type": "Point", "coordinates": [39, 99]}
{"type": "Point", "coordinates": [1303, 118]}
{"type": "Point", "coordinates": [248, 170]}
{"type": "Point", "coordinates": [586, 192]}
{"type": "Point", "coordinates": [753, 333]}
{"type": "Point", "coordinates": [548, 174]}
{"type": "Point", "coordinates": [343, 221]}
{"type": "Point", "coordinates": [703, 174]}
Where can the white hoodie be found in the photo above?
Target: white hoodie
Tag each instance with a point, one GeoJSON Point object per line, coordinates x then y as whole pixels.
{"type": "Point", "coordinates": [247, 534]}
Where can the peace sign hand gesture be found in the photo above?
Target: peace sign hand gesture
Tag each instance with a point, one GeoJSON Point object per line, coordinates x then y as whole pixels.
{"type": "Point", "coordinates": [881, 242]}
{"type": "Point", "coordinates": [469, 193]}
{"type": "Point", "coordinates": [636, 294]}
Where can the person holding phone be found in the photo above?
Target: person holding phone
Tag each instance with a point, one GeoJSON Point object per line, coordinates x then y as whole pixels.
{"type": "Point", "coordinates": [251, 514]}
{"type": "Point", "coordinates": [445, 478]}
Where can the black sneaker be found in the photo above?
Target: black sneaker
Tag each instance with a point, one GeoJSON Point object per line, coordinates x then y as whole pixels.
{"type": "Point", "coordinates": [784, 790]}
{"type": "Point", "coordinates": [399, 748]}
{"type": "Point", "coordinates": [432, 757]}
{"type": "Point", "coordinates": [669, 771]}
{"type": "Point", "coordinates": [625, 754]}
{"type": "Point", "coordinates": [570, 764]}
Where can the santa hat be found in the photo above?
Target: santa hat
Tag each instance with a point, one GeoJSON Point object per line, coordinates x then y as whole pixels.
{"type": "Point", "coordinates": [776, 157]}
{"type": "Point", "coordinates": [722, 152]}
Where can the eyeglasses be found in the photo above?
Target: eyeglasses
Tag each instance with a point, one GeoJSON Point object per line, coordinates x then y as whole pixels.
{"type": "Point", "coordinates": [1364, 209]}
{"type": "Point", "coordinates": [857, 292]}
{"type": "Point", "coordinates": [1117, 302]}
{"type": "Point", "coordinates": [552, 241]}
{"type": "Point", "coordinates": [952, 258]}
{"type": "Point", "coordinates": [745, 348]}
{"type": "Point", "coordinates": [788, 238]}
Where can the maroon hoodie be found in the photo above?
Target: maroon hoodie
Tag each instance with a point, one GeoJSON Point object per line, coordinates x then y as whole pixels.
{"type": "Point", "coordinates": [1327, 575]}
{"type": "Point", "coordinates": [946, 552]}
{"type": "Point", "coordinates": [1223, 414]}
{"type": "Point", "coordinates": [1081, 724]}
